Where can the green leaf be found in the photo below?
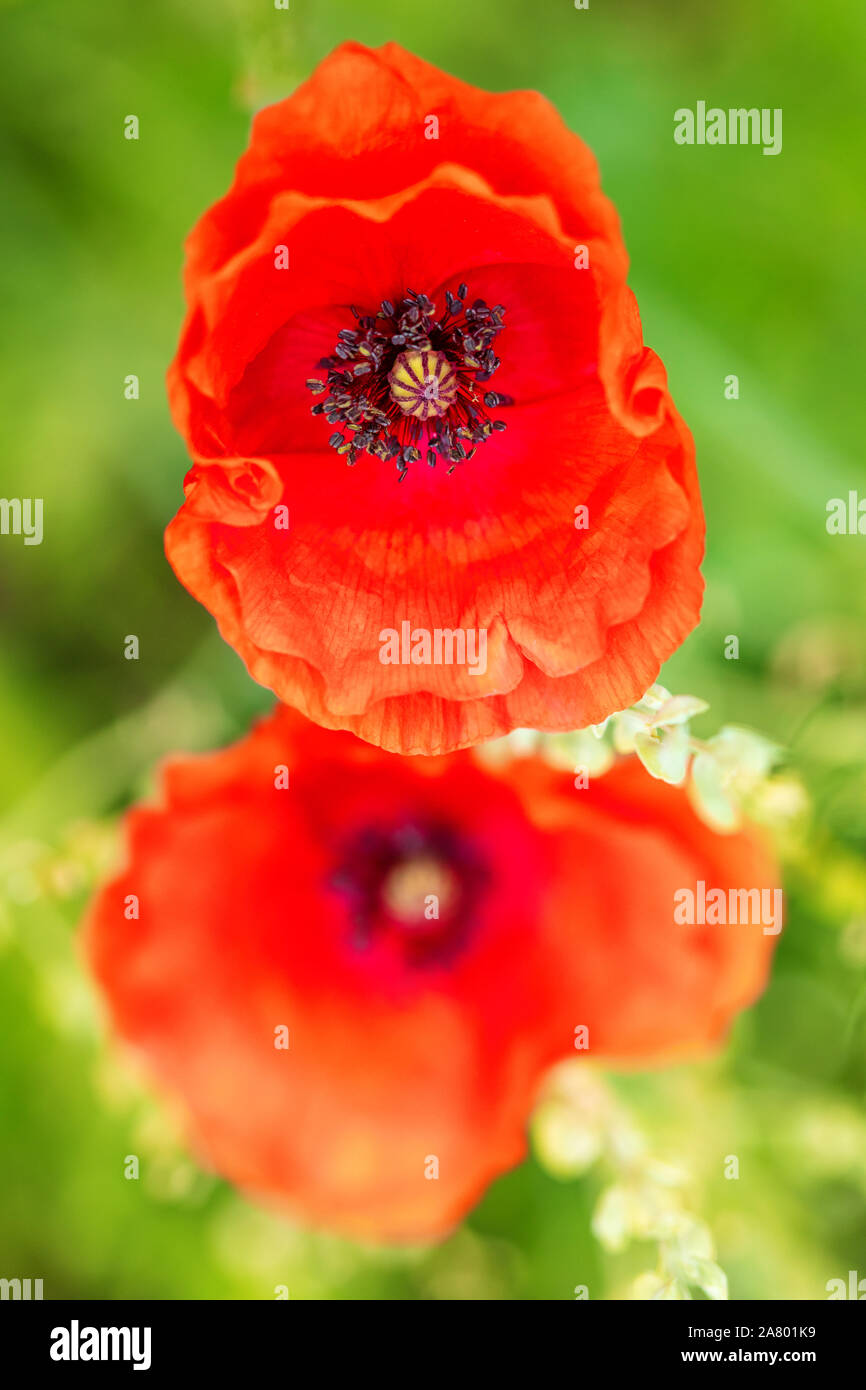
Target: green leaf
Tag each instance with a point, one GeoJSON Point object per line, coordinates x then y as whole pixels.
{"type": "Point", "coordinates": [652, 699]}
{"type": "Point", "coordinates": [626, 726]}
{"type": "Point", "coordinates": [744, 751]}
{"type": "Point", "coordinates": [708, 1276]}
{"type": "Point", "coordinates": [665, 755]}
{"type": "Point", "coordinates": [679, 709]}
{"type": "Point", "coordinates": [709, 795]}
{"type": "Point", "coordinates": [612, 1221]}
{"type": "Point", "coordinates": [564, 1146]}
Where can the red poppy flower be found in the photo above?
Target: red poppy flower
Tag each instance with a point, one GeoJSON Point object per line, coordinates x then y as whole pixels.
{"type": "Point", "coordinates": [423, 281]}
{"type": "Point", "coordinates": [431, 934]}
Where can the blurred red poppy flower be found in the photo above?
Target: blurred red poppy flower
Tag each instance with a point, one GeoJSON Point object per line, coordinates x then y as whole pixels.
{"type": "Point", "coordinates": [426, 936]}
{"type": "Point", "coordinates": [423, 281]}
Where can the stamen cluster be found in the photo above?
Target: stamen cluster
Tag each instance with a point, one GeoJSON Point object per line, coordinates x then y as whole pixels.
{"type": "Point", "coordinates": [407, 384]}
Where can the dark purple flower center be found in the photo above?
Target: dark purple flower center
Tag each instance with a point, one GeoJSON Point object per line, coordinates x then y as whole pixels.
{"type": "Point", "coordinates": [418, 883]}
{"type": "Point", "coordinates": [408, 382]}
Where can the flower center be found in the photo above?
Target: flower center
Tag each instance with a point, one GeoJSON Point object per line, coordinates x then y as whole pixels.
{"type": "Point", "coordinates": [409, 382]}
{"type": "Point", "coordinates": [416, 885]}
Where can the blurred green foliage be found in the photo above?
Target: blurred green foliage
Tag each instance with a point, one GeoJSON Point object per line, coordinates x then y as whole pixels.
{"type": "Point", "coordinates": [742, 264]}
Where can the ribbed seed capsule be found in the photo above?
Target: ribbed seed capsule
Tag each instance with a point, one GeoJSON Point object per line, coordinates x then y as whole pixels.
{"type": "Point", "coordinates": [423, 384]}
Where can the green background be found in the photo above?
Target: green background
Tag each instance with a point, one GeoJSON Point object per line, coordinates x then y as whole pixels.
{"type": "Point", "coordinates": [742, 264]}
